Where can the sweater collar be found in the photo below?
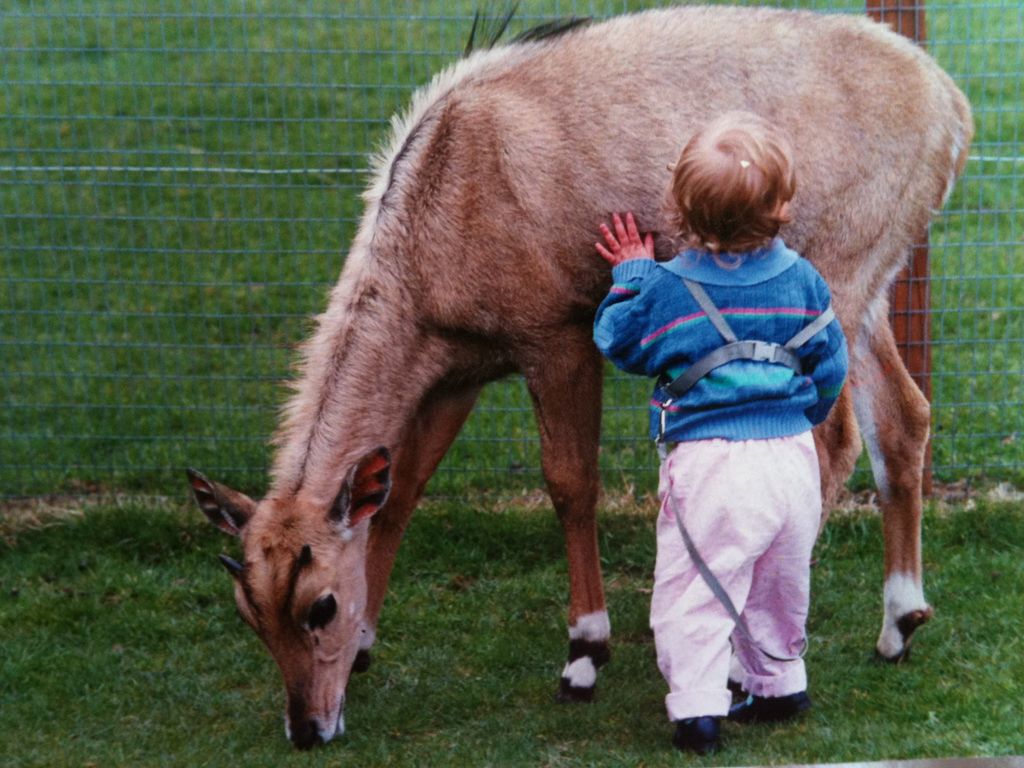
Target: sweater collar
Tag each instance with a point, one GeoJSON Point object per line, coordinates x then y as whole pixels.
{"type": "Point", "coordinates": [758, 266]}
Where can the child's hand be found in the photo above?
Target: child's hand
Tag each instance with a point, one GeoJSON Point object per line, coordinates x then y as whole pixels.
{"type": "Point", "coordinates": [625, 244]}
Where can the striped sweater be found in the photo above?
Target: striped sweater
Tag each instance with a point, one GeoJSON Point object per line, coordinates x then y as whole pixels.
{"type": "Point", "coordinates": [650, 324]}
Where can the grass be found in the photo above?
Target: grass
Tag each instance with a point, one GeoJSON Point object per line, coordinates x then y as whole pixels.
{"type": "Point", "coordinates": [147, 318]}
{"type": "Point", "coordinates": [121, 647]}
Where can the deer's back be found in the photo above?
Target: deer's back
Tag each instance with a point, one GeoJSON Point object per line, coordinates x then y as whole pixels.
{"type": "Point", "coordinates": [544, 145]}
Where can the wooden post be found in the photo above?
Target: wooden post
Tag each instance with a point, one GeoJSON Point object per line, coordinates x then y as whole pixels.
{"type": "Point", "coordinates": [910, 316]}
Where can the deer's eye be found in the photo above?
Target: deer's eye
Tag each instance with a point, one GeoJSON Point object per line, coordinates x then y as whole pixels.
{"type": "Point", "coordinates": [321, 612]}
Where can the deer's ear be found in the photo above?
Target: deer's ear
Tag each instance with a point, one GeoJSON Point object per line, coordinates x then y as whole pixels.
{"type": "Point", "coordinates": [229, 510]}
{"type": "Point", "coordinates": [365, 489]}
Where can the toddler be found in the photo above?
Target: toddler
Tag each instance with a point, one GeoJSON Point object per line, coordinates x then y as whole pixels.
{"type": "Point", "coordinates": [739, 330]}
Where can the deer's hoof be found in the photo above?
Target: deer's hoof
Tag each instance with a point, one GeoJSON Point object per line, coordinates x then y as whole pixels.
{"type": "Point", "coordinates": [569, 693]}
{"type": "Point", "coordinates": [894, 647]}
{"type": "Point", "coordinates": [580, 674]}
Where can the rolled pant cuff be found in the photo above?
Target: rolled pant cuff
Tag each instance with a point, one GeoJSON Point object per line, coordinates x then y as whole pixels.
{"type": "Point", "coordinates": [712, 702]}
{"type": "Point", "coordinates": [793, 679]}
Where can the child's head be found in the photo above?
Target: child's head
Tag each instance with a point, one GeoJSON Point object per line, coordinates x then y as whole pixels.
{"type": "Point", "coordinates": [732, 184]}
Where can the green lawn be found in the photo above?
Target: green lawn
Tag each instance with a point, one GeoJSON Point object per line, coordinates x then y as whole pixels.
{"type": "Point", "coordinates": [147, 318]}
{"type": "Point", "coordinates": [121, 647]}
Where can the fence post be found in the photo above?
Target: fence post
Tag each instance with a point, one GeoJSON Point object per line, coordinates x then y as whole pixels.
{"type": "Point", "coordinates": [909, 316]}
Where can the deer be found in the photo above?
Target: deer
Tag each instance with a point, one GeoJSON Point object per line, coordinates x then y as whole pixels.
{"type": "Point", "coordinates": [474, 260]}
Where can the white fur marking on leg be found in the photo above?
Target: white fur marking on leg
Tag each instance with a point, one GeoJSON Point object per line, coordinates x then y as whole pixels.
{"type": "Point", "coordinates": [592, 627]}
{"type": "Point", "coordinates": [863, 408]}
{"type": "Point", "coordinates": [869, 432]}
{"type": "Point", "coordinates": [902, 595]}
{"type": "Point", "coordinates": [580, 673]}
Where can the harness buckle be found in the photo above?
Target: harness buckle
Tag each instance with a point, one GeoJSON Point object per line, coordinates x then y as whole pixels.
{"type": "Point", "coordinates": [660, 442]}
{"type": "Point", "coordinates": [765, 351]}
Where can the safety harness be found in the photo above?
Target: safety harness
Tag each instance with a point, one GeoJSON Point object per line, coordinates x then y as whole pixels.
{"type": "Point", "coordinates": [733, 349]}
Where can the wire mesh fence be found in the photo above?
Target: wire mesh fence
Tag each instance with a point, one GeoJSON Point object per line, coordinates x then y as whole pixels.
{"type": "Point", "coordinates": [179, 183]}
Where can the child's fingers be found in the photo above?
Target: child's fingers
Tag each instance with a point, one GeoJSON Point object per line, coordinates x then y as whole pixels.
{"type": "Point", "coordinates": [631, 230]}
{"type": "Point", "coordinates": [620, 230]}
{"type": "Point", "coordinates": [649, 243]}
{"type": "Point", "coordinates": [606, 254]}
{"type": "Point", "coordinates": [609, 237]}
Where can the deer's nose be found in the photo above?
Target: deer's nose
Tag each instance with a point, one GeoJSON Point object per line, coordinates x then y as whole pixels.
{"type": "Point", "coordinates": [306, 734]}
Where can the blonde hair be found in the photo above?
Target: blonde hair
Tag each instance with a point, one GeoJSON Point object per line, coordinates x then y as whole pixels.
{"type": "Point", "coordinates": [730, 185]}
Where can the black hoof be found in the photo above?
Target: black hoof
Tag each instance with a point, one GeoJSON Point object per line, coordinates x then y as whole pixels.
{"type": "Point", "coordinates": [362, 662]}
{"type": "Point", "coordinates": [899, 658]}
{"type": "Point", "coordinates": [908, 623]}
{"type": "Point", "coordinates": [567, 692]}
{"type": "Point", "coordinates": [907, 626]}
{"type": "Point", "coordinates": [597, 650]}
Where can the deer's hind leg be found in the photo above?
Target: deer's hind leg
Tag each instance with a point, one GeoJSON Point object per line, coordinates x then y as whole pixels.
{"type": "Point", "coordinates": [838, 443]}
{"type": "Point", "coordinates": [565, 383]}
{"type": "Point", "coordinates": [893, 417]}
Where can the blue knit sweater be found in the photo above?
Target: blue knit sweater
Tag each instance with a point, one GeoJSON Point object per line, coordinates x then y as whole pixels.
{"type": "Point", "coordinates": [650, 324]}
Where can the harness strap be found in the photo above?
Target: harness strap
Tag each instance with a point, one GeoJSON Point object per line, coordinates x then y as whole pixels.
{"type": "Point", "coordinates": [705, 302]}
{"type": "Point", "coordinates": [816, 325]}
{"type": "Point", "coordinates": [764, 351]}
{"type": "Point", "coordinates": [719, 591]}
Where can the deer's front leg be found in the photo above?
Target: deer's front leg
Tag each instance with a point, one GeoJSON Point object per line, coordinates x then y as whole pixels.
{"type": "Point", "coordinates": [425, 443]}
{"type": "Point", "coordinates": [566, 391]}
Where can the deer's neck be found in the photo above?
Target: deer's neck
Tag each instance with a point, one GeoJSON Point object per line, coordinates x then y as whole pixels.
{"type": "Point", "coordinates": [362, 374]}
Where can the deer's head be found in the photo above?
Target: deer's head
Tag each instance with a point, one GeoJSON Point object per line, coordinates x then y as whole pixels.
{"type": "Point", "coordinates": [302, 585]}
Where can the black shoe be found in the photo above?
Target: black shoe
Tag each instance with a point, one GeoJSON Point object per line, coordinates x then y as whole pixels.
{"type": "Point", "coordinates": [770, 709]}
{"type": "Point", "coordinates": [697, 734]}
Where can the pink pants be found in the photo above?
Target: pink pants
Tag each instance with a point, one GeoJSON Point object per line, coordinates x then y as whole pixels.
{"type": "Point", "coordinates": [752, 508]}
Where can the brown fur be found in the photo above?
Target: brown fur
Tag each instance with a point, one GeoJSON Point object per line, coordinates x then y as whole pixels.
{"type": "Point", "coordinates": [475, 259]}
